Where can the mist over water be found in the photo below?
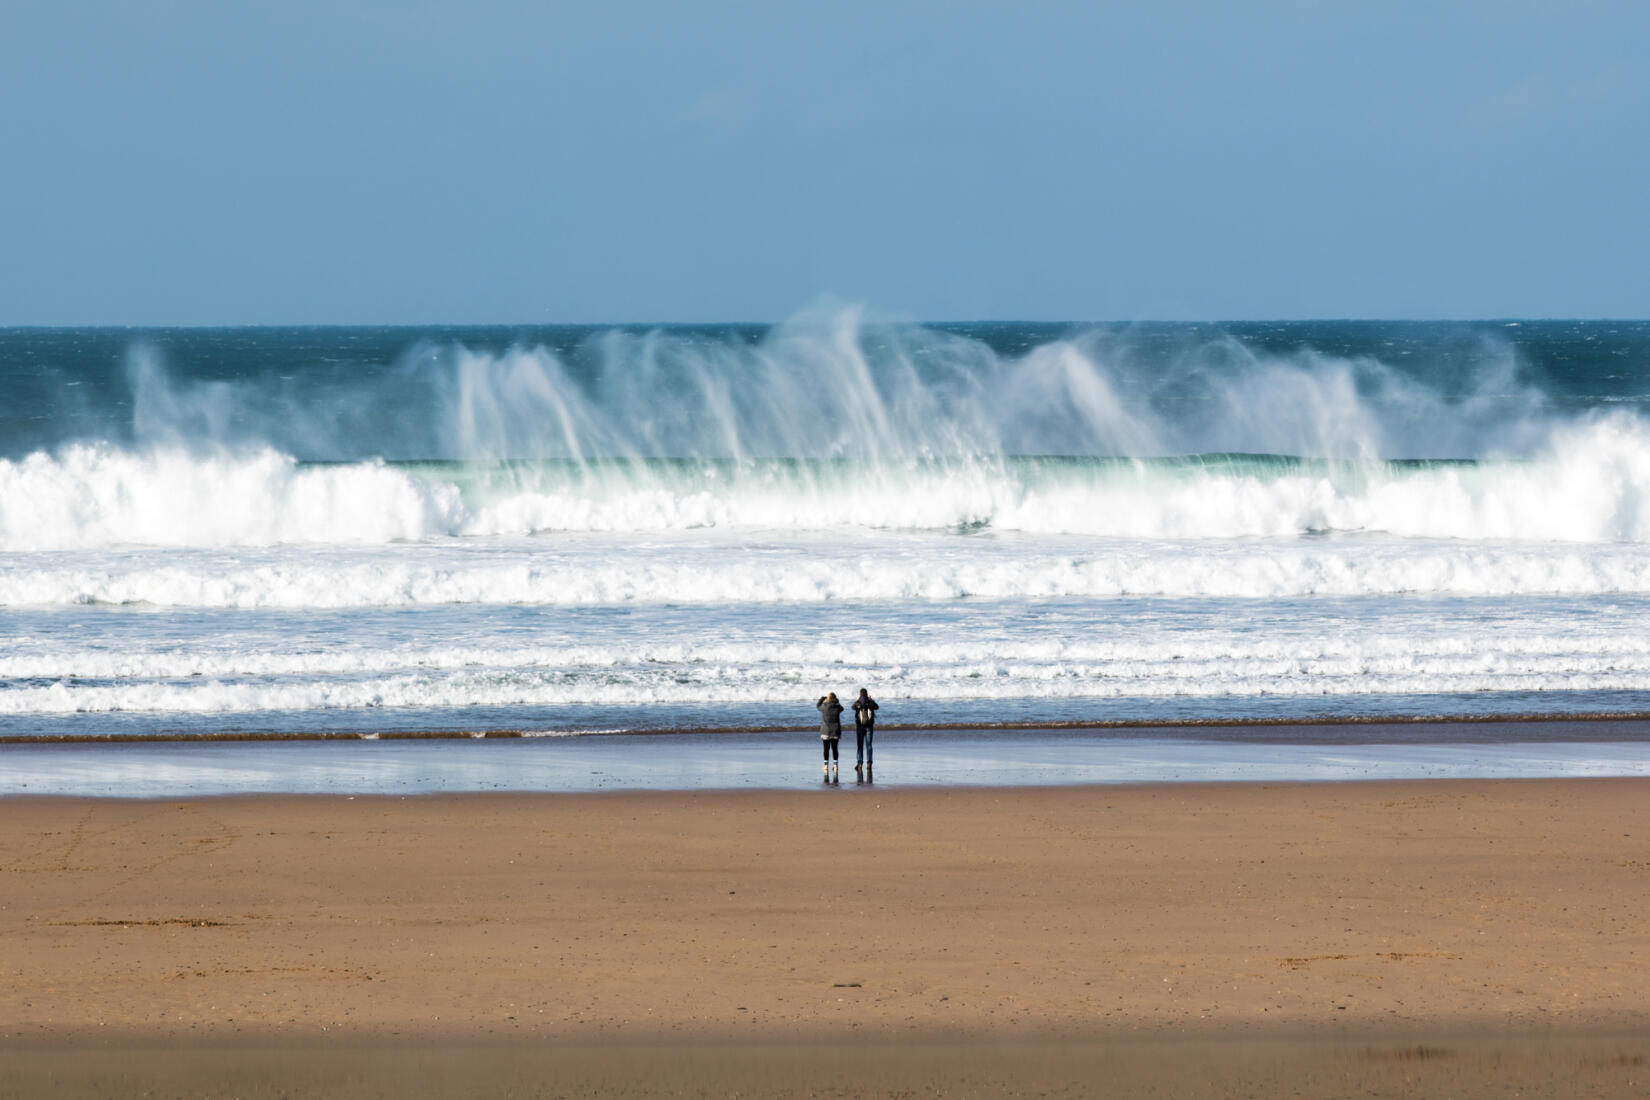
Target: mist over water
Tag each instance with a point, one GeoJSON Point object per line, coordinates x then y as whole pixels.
{"type": "Point", "coordinates": [834, 387]}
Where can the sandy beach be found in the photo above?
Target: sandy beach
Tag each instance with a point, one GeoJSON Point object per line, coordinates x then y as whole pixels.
{"type": "Point", "coordinates": [1402, 928]}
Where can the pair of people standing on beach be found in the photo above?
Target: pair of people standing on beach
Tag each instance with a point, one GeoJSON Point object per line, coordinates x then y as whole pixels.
{"type": "Point", "coordinates": [830, 727]}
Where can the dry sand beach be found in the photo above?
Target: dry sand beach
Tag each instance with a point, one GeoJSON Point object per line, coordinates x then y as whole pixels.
{"type": "Point", "coordinates": [1468, 938]}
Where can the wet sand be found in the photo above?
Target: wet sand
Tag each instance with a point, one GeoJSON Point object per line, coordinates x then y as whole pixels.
{"type": "Point", "coordinates": [788, 761]}
{"type": "Point", "coordinates": [1459, 1066]}
{"type": "Point", "coordinates": [1479, 934]}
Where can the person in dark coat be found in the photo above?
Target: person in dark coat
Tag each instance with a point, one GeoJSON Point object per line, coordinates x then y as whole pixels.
{"type": "Point", "coordinates": [830, 725]}
{"type": "Point", "coordinates": [865, 720]}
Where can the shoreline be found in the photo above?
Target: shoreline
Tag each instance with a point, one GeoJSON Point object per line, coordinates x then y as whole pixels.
{"type": "Point", "coordinates": [1629, 718]}
{"type": "Point", "coordinates": [790, 760]}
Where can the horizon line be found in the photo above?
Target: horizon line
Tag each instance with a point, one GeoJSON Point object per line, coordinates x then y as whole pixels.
{"type": "Point", "coordinates": [241, 326]}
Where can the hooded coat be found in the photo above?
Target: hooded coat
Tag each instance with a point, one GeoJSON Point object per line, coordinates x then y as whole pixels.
{"type": "Point", "coordinates": [830, 718]}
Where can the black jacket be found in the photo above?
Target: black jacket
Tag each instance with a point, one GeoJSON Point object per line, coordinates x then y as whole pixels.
{"type": "Point", "coordinates": [830, 719]}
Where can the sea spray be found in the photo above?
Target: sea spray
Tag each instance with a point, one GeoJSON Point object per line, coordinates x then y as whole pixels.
{"type": "Point", "coordinates": [822, 386]}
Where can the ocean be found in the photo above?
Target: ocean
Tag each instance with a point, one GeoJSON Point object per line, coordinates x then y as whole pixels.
{"type": "Point", "coordinates": [278, 532]}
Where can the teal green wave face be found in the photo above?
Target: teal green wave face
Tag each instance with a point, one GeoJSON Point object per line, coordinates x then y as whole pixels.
{"type": "Point", "coordinates": [1213, 496]}
{"type": "Point", "coordinates": [480, 481]}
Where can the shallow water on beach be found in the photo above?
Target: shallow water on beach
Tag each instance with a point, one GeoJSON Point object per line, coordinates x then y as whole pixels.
{"type": "Point", "coordinates": [725, 761]}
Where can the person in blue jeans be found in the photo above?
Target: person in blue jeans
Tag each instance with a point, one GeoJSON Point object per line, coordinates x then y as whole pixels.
{"type": "Point", "coordinates": [865, 721]}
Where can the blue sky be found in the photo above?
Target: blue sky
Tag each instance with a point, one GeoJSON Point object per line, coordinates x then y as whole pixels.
{"type": "Point", "coordinates": [192, 162]}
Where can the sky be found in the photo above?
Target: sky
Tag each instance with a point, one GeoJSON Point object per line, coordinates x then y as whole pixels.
{"type": "Point", "coordinates": [194, 162]}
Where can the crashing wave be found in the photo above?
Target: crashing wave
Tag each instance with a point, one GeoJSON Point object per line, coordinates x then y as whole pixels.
{"type": "Point", "coordinates": [1591, 484]}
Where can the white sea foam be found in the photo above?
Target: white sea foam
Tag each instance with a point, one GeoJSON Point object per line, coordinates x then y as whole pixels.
{"type": "Point", "coordinates": [1591, 485]}
{"type": "Point", "coordinates": [911, 684]}
{"type": "Point", "coordinates": [603, 570]}
{"type": "Point", "coordinates": [1189, 658]}
{"type": "Point", "coordinates": [96, 496]}
{"type": "Point", "coordinates": [671, 660]}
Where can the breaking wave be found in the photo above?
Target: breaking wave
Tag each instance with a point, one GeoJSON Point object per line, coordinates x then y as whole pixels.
{"type": "Point", "coordinates": [1591, 484]}
{"type": "Point", "coordinates": [824, 422]}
